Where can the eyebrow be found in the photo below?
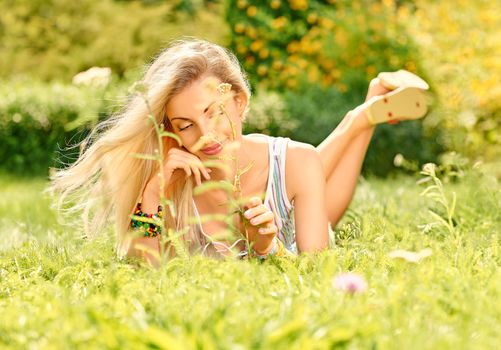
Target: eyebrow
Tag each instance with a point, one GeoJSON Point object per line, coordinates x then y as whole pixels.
{"type": "Point", "coordinates": [205, 111]}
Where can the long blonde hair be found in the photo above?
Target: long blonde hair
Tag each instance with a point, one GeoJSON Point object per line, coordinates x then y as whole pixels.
{"type": "Point", "coordinates": [106, 182]}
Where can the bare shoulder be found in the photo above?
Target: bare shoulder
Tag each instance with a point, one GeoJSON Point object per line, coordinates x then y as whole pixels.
{"type": "Point", "coordinates": [298, 149]}
{"type": "Point", "coordinates": [302, 159]}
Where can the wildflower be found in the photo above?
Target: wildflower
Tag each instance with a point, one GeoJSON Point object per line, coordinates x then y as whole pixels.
{"type": "Point", "coordinates": [251, 11]}
{"type": "Point", "coordinates": [398, 160]}
{"type": "Point", "coordinates": [350, 282]}
{"type": "Point", "coordinates": [275, 4]}
{"type": "Point", "coordinates": [429, 168]}
{"type": "Point", "coordinates": [413, 257]}
{"type": "Point", "coordinates": [224, 88]}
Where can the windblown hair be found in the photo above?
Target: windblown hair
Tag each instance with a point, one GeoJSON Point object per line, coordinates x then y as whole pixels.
{"type": "Point", "coordinates": [106, 182]}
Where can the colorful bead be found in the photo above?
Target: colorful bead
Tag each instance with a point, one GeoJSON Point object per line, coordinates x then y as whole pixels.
{"type": "Point", "coordinates": [149, 229]}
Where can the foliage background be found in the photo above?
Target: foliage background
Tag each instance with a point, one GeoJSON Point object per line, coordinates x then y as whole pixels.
{"type": "Point", "coordinates": [309, 63]}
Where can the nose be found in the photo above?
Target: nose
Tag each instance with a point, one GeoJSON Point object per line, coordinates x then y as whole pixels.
{"type": "Point", "coordinates": [205, 129]}
{"type": "Point", "coordinates": [207, 134]}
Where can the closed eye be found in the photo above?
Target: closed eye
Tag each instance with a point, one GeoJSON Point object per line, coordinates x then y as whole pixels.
{"type": "Point", "coordinates": [186, 127]}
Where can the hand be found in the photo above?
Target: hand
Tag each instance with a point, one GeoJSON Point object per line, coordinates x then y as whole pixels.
{"type": "Point", "coordinates": [262, 228]}
{"type": "Point", "coordinates": [177, 161]}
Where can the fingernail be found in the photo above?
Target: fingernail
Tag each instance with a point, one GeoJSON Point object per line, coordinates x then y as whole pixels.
{"type": "Point", "coordinates": [247, 214]}
{"type": "Point", "coordinates": [253, 221]}
{"type": "Point", "coordinates": [261, 230]}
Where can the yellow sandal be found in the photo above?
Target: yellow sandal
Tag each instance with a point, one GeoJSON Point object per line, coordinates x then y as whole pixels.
{"type": "Point", "coordinates": [403, 103]}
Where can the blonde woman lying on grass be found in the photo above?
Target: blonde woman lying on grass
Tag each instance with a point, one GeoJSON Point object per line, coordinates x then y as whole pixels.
{"type": "Point", "coordinates": [292, 192]}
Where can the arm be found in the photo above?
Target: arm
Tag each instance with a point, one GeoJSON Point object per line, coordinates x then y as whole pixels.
{"type": "Point", "coordinates": [309, 200]}
{"type": "Point", "coordinates": [147, 247]}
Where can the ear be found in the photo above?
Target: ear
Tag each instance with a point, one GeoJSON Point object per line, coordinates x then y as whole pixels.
{"type": "Point", "coordinates": [241, 101]}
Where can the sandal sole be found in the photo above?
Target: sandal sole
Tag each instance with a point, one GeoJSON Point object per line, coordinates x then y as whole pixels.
{"type": "Point", "coordinates": [405, 103]}
{"type": "Point", "coordinates": [394, 80]}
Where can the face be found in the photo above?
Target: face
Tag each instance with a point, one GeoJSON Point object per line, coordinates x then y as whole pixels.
{"type": "Point", "coordinates": [197, 117]}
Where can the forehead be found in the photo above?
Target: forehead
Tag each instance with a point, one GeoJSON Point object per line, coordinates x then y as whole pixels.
{"type": "Point", "coordinates": [194, 98]}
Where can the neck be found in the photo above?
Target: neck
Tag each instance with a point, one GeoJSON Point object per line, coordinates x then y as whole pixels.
{"type": "Point", "coordinates": [237, 158]}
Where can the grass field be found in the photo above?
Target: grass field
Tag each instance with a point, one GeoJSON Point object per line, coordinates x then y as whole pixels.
{"type": "Point", "coordinates": [60, 291]}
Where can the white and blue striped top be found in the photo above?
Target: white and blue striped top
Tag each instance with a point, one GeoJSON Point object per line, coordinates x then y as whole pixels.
{"type": "Point", "coordinates": [276, 195]}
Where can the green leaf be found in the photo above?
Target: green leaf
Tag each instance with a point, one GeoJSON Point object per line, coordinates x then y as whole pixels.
{"type": "Point", "coordinates": [212, 185]}
{"type": "Point", "coordinates": [144, 156]}
{"type": "Point", "coordinates": [174, 136]}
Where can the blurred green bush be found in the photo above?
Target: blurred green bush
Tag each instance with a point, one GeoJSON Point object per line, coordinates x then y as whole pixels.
{"type": "Point", "coordinates": [55, 39]}
{"type": "Point", "coordinates": [40, 121]}
{"type": "Point", "coordinates": [309, 62]}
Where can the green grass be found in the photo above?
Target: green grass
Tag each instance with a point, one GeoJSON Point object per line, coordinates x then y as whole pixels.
{"type": "Point", "coordinates": [59, 291]}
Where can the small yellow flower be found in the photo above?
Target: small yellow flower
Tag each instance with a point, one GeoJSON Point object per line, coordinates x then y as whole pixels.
{"type": "Point", "coordinates": [251, 11]}
{"type": "Point", "coordinates": [251, 32]}
{"type": "Point", "coordinates": [256, 45]}
{"type": "Point", "coordinates": [277, 65]}
{"type": "Point", "coordinates": [264, 53]}
{"type": "Point", "coordinates": [326, 23]}
{"type": "Point", "coordinates": [241, 49]}
{"type": "Point", "coordinates": [298, 5]}
{"type": "Point", "coordinates": [292, 47]}
{"type": "Point", "coordinates": [239, 28]}
{"type": "Point", "coordinates": [275, 4]}
{"type": "Point", "coordinates": [311, 18]}
{"type": "Point", "coordinates": [241, 4]}
{"type": "Point", "coordinates": [279, 23]}
{"type": "Point", "coordinates": [250, 60]}
{"type": "Point", "coordinates": [262, 69]}
{"type": "Point", "coordinates": [410, 66]}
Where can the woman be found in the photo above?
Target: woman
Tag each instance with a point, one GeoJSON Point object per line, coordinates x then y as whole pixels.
{"type": "Point", "coordinates": [197, 90]}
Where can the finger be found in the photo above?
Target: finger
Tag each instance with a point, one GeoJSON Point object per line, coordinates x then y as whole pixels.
{"type": "Point", "coordinates": [260, 209]}
{"type": "Point", "coordinates": [263, 218]}
{"type": "Point", "coordinates": [187, 169]}
{"type": "Point", "coordinates": [270, 229]}
{"type": "Point", "coordinates": [196, 174]}
{"type": "Point", "coordinates": [198, 163]}
{"type": "Point", "coordinates": [205, 172]}
{"type": "Point", "coordinates": [252, 202]}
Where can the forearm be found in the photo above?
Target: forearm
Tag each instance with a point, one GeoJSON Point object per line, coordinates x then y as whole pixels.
{"type": "Point", "coordinates": [150, 200]}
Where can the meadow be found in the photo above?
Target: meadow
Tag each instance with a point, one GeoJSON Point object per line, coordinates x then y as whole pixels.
{"type": "Point", "coordinates": [61, 291]}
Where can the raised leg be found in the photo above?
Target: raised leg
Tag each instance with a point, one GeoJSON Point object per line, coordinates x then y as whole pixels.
{"type": "Point", "coordinates": [342, 154]}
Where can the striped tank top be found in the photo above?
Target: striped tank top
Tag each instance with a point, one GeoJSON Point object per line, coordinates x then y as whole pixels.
{"type": "Point", "coordinates": [276, 195]}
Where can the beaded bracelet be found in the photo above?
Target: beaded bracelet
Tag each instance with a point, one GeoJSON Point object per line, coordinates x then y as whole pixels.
{"type": "Point", "coordinates": [150, 229]}
{"type": "Point", "coordinates": [278, 249]}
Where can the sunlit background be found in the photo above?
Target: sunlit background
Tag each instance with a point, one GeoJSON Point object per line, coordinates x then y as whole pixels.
{"type": "Point", "coordinates": [309, 62]}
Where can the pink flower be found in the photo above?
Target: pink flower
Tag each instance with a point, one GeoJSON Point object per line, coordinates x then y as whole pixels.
{"type": "Point", "coordinates": [349, 282]}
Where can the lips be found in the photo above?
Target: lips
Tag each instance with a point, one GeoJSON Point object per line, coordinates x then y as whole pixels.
{"type": "Point", "coordinates": [212, 149]}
